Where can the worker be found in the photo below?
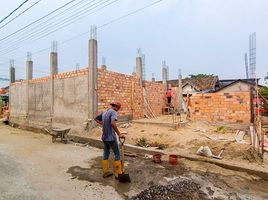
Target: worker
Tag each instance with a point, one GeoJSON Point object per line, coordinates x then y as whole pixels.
{"type": "Point", "coordinates": [169, 96]}
{"type": "Point", "coordinates": [109, 130]}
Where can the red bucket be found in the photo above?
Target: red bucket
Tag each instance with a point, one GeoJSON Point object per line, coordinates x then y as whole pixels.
{"type": "Point", "coordinates": [173, 159]}
{"type": "Point", "coordinates": [157, 158]}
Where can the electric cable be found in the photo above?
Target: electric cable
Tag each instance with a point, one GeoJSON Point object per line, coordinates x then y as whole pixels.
{"type": "Point", "coordinates": [63, 24]}
{"type": "Point", "coordinates": [20, 14]}
{"type": "Point", "coordinates": [13, 11]}
{"type": "Point", "coordinates": [47, 27]}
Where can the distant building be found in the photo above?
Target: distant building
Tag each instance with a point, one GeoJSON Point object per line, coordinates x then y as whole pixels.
{"type": "Point", "coordinates": [197, 84]}
{"type": "Point", "coordinates": [210, 84]}
{"type": "Point", "coordinates": [237, 85]}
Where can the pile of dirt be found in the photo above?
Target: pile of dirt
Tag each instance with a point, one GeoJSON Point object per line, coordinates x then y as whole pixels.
{"type": "Point", "coordinates": [252, 156]}
{"type": "Point", "coordinates": [185, 189]}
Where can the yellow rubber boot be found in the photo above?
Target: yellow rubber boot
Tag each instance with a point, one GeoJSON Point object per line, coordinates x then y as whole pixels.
{"type": "Point", "coordinates": [105, 169]}
{"type": "Point", "coordinates": [117, 168]}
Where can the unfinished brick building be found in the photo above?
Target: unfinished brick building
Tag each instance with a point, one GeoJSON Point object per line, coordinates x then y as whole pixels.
{"type": "Point", "coordinates": [73, 98]}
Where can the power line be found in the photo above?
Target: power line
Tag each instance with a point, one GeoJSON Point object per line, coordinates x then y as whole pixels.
{"type": "Point", "coordinates": [64, 24]}
{"type": "Point", "coordinates": [131, 13]}
{"type": "Point", "coordinates": [99, 27]}
{"type": "Point", "coordinates": [13, 11]}
{"type": "Point", "coordinates": [32, 28]}
{"type": "Point", "coordinates": [23, 28]}
{"type": "Point", "coordinates": [20, 14]}
{"type": "Point", "coordinates": [60, 24]}
{"type": "Point", "coordinates": [112, 21]}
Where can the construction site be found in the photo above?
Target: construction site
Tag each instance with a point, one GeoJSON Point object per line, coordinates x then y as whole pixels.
{"type": "Point", "coordinates": [195, 137]}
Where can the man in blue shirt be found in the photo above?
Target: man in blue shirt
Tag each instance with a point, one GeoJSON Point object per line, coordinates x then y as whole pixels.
{"type": "Point", "coordinates": [109, 130]}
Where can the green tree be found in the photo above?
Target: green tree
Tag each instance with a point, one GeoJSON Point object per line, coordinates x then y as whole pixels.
{"type": "Point", "coordinates": [264, 92]}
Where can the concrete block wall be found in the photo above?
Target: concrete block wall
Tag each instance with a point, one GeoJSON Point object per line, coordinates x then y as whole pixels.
{"type": "Point", "coordinates": [156, 96]}
{"type": "Point", "coordinates": [39, 104]}
{"type": "Point", "coordinates": [233, 107]}
{"type": "Point", "coordinates": [70, 101]}
{"type": "Point", "coordinates": [17, 103]}
{"type": "Point", "coordinates": [71, 98]}
{"type": "Point", "coordinates": [114, 86]}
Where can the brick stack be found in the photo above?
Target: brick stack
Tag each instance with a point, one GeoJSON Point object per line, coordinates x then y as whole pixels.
{"type": "Point", "coordinates": [155, 93]}
{"type": "Point", "coordinates": [5, 112]}
{"type": "Point", "coordinates": [221, 107]}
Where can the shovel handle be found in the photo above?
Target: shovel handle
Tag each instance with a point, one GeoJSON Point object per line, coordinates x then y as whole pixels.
{"type": "Point", "coordinates": [122, 140]}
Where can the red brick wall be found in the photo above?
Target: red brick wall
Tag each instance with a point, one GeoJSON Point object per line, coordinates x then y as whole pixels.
{"type": "Point", "coordinates": [155, 94]}
{"type": "Point", "coordinates": [114, 86]}
{"type": "Point", "coordinates": [227, 107]}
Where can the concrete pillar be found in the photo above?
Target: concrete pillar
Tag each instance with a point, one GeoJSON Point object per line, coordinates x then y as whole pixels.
{"type": "Point", "coordinates": [11, 74]}
{"type": "Point", "coordinates": [92, 75]}
{"type": "Point", "coordinates": [180, 97]}
{"type": "Point", "coordinates": [104, 67]}
{"type": "Point", "coordinates": [54, 63]}
{"type": "Point", "coordinates": [53, 71]}
{"type": "Point", "coordinates": [29, 70]}
{"type": "Point", "coordinates": [29, 76]}
{"type": "Point", "coordinates": [11, 80]}
{"type": "Point", "coordinates": [139, 69]}
{"type": "Point", "coordinates": [153, 78]}
{"type": "Point", "coordinates": [164, 76]}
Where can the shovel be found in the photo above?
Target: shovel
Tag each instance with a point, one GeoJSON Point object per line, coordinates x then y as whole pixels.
{"type": "Point", "coordinates": [123, 178]}
{"type": "Point", "coordinates": [220, 154]}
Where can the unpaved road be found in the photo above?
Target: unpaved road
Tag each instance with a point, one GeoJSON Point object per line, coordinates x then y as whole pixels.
{"type": "Point", "coordinates": [31, 167]}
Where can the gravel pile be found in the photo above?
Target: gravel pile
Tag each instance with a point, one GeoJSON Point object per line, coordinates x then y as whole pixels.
{"type": "Point", "coordinates": [183, 190]}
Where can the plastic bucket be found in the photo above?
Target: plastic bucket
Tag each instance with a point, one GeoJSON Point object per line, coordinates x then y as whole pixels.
{"type": "Point", "coordinates": [173, 159]}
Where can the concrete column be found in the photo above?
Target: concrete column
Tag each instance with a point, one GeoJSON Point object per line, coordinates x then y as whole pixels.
{"type": "Point", "coordinates": [54, 63]}
{"type": "Point", "coordinates": [164, 76]}
{"type": "Point", "coordinates": [29, 70]}
{"type": "Point", "coordinates": [11, 80]}
{"type": "Point", "coordinates": [11, 74]}
{"type": "Point", "coordinates": [153, 78]}
{"type": "Point", "coordinates": [53, 71]}
{"type": "Point", "coordinates": [104, 67]}
{"type": "Point", "coordinates": [139, 69]}
{"type": "Point", "coordinates": [92, 78]}
{"type": "Point", "coordinates": [29, 76]}
{"type": "Point", "coordinates": [180, 97]}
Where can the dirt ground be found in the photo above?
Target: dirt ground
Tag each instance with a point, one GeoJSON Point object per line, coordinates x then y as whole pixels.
{"type": "Point", "coordinates": [189, 138]}
{"type": "Point", "coordinates": [31, 167]}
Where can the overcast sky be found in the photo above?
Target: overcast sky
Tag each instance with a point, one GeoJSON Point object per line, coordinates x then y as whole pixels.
{"type": "Point", "coordinates": [198, 36]}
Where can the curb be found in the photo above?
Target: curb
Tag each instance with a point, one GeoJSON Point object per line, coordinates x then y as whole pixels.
{"type": "Point", "coordinates": [263, 173]}
{"type": "Point", "coordinates": [162, 124]}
